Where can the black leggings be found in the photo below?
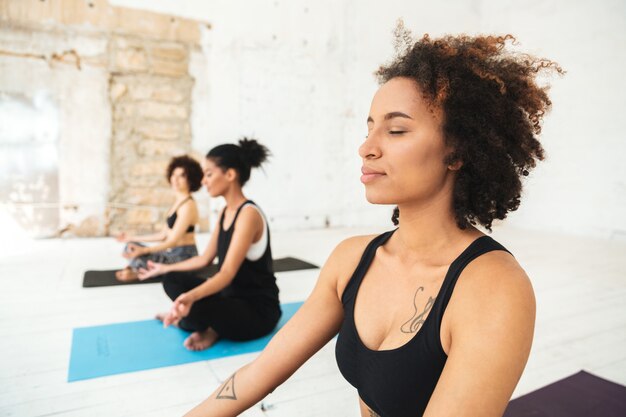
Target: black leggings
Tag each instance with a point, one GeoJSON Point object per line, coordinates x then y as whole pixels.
{"type": "Point", "coordinates": [232, 318]}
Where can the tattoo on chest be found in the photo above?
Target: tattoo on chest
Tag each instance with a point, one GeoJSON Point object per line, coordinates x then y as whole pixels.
{"type": "Point", "coordinates": [415, 322]}
{"type": "Point", "coordinates": [373, 413]}
{"type": "Point", "coordinates": [227, 391]}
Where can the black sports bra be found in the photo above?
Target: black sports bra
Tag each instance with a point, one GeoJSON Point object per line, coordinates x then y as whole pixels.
{"type": "Point", "coordinates": [399, 382]}
{"type": "Point", "coordinates": [171, 220]}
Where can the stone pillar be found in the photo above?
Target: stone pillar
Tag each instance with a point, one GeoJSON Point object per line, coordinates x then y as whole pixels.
{"type": "Point", "coordinates": [144, 58]}
{"type": "Point", "coordinates": [150, 93]}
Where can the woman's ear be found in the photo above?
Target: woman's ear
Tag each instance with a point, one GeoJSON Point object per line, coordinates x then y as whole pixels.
{"type": "Point", "coordinates": [453, 160]}
{"type": "Point", "coordinates": [455, 166]}
{"type": "Point", "coordinates": [231, 174]}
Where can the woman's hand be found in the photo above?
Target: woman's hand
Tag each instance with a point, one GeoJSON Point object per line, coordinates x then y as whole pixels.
{"type": "Point", "coordinates": [180, 308]}
{"type": "Point", "coordinates": [123, 237]}
{"type": "Point", "coordinates": [133, 251]}
{"type": "Point", "coordinates": [154, 269]}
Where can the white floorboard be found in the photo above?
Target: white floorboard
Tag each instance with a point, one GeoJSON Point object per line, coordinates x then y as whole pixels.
{"type": "Point", "coordinates": [580, 285]}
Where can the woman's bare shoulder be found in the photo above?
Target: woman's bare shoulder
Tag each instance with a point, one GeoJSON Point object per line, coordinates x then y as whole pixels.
{"type": "Point", "coordinates": [493, 270]}
{"type": "Point", "coordinates": [345, 258]}
{"type": "Point", "coordinates": [251, 211]}
{"type": "Point", "coordinates": [493, 284]}
{"type": "Point", "coordinates": [188, 206]}
{"type": "Point", "coordinates": [353, 244]}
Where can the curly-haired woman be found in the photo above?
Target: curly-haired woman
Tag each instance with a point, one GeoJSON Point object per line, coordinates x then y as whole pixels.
{"type": "Point", "coordinates": [435, 318]}
{"type": "Point", "coordinates": [177, 240]}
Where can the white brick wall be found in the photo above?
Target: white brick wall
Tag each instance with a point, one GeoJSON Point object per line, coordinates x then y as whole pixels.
{"type": "Point", "coordinates": [297, 74]}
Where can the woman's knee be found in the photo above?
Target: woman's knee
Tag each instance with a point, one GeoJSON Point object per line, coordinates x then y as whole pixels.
{"type": "Point", "coordinates": [176, 283]}
{"type": "Point", "coordinates": [172, 285]}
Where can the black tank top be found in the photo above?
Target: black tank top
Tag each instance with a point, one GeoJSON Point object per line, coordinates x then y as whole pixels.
{"type": "Point", "coordinates": [254, 278]}
{"type": "Point", "coordinates": [171, 220]}
{"type": "Point", "coordinates": [399, 382]}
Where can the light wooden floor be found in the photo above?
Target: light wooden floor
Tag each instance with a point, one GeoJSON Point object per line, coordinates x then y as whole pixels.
{"type": "Point", "coordinates": [581, 324]}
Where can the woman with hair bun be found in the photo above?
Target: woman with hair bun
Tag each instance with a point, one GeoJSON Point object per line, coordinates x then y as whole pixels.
{"type": "Point", "coordinates": [177, 241]}
{"type": "Point", "coordinates": [240, 302]}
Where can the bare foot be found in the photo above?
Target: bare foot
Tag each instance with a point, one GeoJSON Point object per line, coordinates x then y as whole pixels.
{"type": "Point", "coordinates": [161, 317]}
{"type": "Point", "coordinates": [126, 275]}
{"type": "Point", "coordinates": [201, 340]}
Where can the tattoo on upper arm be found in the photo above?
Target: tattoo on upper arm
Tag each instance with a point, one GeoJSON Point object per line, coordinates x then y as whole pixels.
{"type": "Point", "coordinates": [373, 413]}
{"type": "Point", "coordinates": [415, 322]}
{"type": "Point", "coordinates": [227, 391]}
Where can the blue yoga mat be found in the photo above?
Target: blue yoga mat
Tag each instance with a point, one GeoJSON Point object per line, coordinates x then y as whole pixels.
{"type": "Point", "coordinates": [139, 345]}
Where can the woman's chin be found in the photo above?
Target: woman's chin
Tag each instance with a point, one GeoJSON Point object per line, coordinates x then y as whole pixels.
{"type": "Point", "coordinates": [377, 198]}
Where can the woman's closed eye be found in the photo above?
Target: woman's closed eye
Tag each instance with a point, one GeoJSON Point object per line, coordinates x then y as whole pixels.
{"type": "Point", "coordinates": [392, 132]}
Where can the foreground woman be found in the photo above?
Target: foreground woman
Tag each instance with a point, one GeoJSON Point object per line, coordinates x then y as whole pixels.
{"type": "Point", "coordinates": [434, 318]}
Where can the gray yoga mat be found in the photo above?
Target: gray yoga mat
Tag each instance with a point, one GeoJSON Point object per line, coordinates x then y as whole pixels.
{"type": "Point", "coordinates": [107, 278]}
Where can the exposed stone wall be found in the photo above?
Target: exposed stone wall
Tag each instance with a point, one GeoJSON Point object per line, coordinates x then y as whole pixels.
{"type": "Point", "coordinates": [97, 16]}
{"type": "Point", "coordinates": [150, 93]}
{"type": "Point", "coordinates": [145, 62]}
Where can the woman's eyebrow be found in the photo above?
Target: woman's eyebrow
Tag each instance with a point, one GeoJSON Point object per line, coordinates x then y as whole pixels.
{"type": "Point", "coordinates": [391, 115]}
{"type": "Point", "coordinates": [397, 114]}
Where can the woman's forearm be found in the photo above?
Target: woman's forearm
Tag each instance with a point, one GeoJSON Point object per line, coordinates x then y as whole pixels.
{"type": "Point", "coordinates": [239, 392]}
{"type": "Point", "coordinates": [315, 323]}
{"type": "Point", "coordinates": [161, 246]}
{"type": "Point", "coordinates": [211, 286]}
{"type": "Point", "coordinates": [190, 264]}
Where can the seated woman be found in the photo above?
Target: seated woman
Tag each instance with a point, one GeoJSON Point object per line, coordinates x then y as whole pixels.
{"type": "Point", "coordinates": [178, 240]}
{"type": "Point", "coordinates": [435, 318]}
{"type": "Point", "coordinates": [239, 302]}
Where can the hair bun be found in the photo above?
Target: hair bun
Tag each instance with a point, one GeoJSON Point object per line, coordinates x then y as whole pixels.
{"type": "Point", "coordinates": [252, 152]}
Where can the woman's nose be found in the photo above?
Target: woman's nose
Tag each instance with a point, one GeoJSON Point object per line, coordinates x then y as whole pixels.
{"type": "Point", "coordinates": [370, 148]}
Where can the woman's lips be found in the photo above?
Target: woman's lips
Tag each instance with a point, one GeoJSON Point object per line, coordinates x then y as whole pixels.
{"type": "Point", "coordinates": [370, 175]}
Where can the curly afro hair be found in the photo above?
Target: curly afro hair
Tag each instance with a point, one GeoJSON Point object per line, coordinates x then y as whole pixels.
{"type": "Point", "coordinates": [493, 109]}
{"type": "Point", "coordinates": [193, 171]}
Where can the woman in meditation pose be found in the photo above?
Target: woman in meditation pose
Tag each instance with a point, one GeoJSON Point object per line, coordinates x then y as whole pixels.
{"type": "Point", "coordinates": [239, 302]}
{"type": "Point", "coordinates": [177, 241]}
{"type": "Point", "coordinates": [435, 318]}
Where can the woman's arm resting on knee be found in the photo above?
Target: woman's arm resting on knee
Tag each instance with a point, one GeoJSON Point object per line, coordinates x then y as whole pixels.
{"type": "Point", "coordinates": [199, 261]}
{"type": "Point", "coordinates": [491, 321]}
{"type": "Point", "coordinates": [190, 264]}
{"type": "Point", "coordinates": [315, 323]}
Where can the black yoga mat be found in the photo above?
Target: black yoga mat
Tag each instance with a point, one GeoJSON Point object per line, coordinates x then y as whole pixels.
{"type": "Point", "coordinates": [107, 278]}
{"type": "Point", "coordinates": [580, 395]}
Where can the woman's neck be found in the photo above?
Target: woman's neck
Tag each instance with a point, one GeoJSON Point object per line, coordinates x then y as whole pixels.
{"type": "Point", "coordinates": [429, 231]}
{"type": "Point", "coordinates": [234, 198]}
{"type": "Point", "coordinates": [181, 195]}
